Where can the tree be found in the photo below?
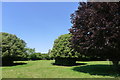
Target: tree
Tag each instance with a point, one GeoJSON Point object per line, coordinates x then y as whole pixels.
{"type": "Point", "coordinates": [35, 56]}
{"type": "Point", "coordinates": [62, 47]}
{"type": "Point", "coordinates": [62, 52]}
{"type": "Point", "coordinates": [12, 47]}
{"type": "Point", "coordinates": [32, 55]}
{"type": "Point", "coordinates": [30, 50]}
{"type": "Point", "coordinates": [96, 30]}
{"type": "Point", "coordinates": [45, 57]}
{"type": "Point", "coordinates": [49, 54]}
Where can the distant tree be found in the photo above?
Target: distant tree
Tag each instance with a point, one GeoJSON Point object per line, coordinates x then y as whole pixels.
{"type": "Point", "coordinates": [49, 54]}
{"type": "Point", "coordinates": [35, 56]}
{"type": "Point", "coordinates": [96, 30]}
{"type": "Point", "coordinates": [46, 57]}
{"type": "Point", "coordinates": [49, 51]}
{"type": "Point", "coordinates": [12, 47]}
{"type": "Point", "coordinates": [30, 50]}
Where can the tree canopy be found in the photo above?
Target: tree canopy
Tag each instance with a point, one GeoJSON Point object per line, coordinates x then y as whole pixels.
{"type": "Point", "coordinates": [12, 46]}
{"type": "Point", "coordinates": [61, 47]}
{"type": "Point", "coordinates": [96, 29]}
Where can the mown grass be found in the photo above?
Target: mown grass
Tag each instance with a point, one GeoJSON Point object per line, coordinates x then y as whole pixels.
{"type": "Point", "coordinates": [45, 69]}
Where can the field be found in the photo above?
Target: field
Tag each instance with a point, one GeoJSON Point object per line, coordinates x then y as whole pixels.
{"type": "Point", "coordinates": [45, 69]}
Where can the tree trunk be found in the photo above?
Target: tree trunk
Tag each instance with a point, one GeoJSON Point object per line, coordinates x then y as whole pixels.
{"type": "Point", "coordinates": [116, 66]}
{"type": "Point", "coordinates": [115, 63]}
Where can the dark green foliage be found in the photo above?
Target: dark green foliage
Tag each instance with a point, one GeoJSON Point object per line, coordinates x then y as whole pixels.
{"type": "Point", "coordinates": [65, 61]}
{"type": "Point", "coordinates": [62, 51]}
{"type": "Point", "coordinates": [12, 47]}
{"type": "Point", "coordinates": [62, 47]}
{"type": "Point", "coordinates": [32, 55]}
{"type": "Point", "coordinates": [45, 57]}
{"type": "Point", "coordinates": [30, 51]}
{"type": "Point", "coordinates": [49, 54]}
{"type": "Point", "coordinates": [35, 56]}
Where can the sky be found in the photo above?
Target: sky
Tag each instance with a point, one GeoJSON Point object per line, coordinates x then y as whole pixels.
{"type": "Point", "coordinates": [37, 23]}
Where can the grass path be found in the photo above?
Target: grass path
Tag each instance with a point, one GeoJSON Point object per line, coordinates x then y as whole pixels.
{"type": "Point", "coordinates": [44, 69]}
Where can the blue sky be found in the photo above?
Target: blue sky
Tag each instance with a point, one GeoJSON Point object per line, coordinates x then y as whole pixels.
{"type": "Point", "coordinates": [37, 23]}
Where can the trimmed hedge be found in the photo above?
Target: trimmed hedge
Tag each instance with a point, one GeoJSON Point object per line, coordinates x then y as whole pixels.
{"type": "Point", "coordinates": [65, 61]}
{"type": "Point", "coordinates": [7, 61]}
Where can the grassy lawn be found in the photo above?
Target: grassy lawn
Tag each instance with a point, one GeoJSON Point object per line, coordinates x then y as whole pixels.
{"type": "Point", "coordinates": [44, 69]}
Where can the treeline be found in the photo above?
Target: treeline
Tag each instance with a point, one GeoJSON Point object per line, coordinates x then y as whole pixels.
{"type": "Point", "coordinates": [13, 48]}
{"type": "Point", "coordinates": [34, 56]}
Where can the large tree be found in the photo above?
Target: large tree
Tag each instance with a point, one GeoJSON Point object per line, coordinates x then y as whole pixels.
{"type": "Point", "coordinates": [62, 52]}
{"type": "Point", "coordinates": [12, 47]}
{"type": "Point", "coordinates": [96, 30]}
{"type": "Point", "coordinates": [61, 47]}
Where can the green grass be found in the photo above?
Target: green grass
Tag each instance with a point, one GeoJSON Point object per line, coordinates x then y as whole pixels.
{"type": "Point", "coordinates": [44, 69]}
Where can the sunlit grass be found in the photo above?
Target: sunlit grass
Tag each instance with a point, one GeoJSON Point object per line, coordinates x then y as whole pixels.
{"type": "Point", "coordinates": [44, 69]}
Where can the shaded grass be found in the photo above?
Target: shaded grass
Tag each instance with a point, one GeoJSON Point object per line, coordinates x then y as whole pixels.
{"type": "Point", "coordinates": [45, 69]}
{"type": "Point", "coordinates": [76, 64]}
{"type": "Point", "coordinates": [105, 70]}
{"type": "Point", "coordinates": [14, 64]}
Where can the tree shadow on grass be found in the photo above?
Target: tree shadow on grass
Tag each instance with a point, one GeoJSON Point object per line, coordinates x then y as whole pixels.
{"type": "Point", "coordinates": [76, 64]}
{"type": "Point", "coordinates": [14, 64]}
{"type": "Point", "coordinates": [104, 70]}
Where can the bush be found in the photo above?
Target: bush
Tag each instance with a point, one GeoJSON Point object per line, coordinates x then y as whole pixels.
{"type": "Point", "coordinates": [65, 61]}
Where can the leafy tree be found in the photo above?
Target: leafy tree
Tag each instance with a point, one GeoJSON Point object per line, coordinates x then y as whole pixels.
{"type": "Point", "coordinates": [96, 30]}
{"type": "Point", "coordinates": [62, 52]}
{"type": "Point", "coordinates": [32, 55]}
{"type": "Point", "coordinates": [30, 50]}
{"type": "Point", "coordinates": [49, 51]}
{"type": "Point", "coordinates": [49, 54]}
{"type": "Point", "coordinates": [12, 47]}
{"type": "Point", "coordinates": [35, 56]}
{"type": "Point", "coordinates": [62, 47]}
{"type": "Point", "coordinates": [45, 57]}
